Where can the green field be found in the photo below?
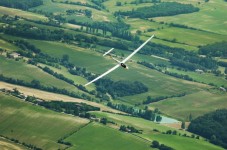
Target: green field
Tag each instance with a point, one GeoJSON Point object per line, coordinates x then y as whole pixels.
{"type": "Point", "coordinates": [35, 125]}
{"type": "Point", "coordinates": [210, 17]}
{"type": "Point", "coordinates": [96, 136]}
{"type": "Point", "coordinates": [59, 8]}
{"type": "Point", "coordinates": [203, 78]}
{"type": "Point", "coordinates": [175, 141]}
{"type": "Point", "coordinates": [76, 79]}
{"type": "Point", "coordinates": [196, 104]}
{"type": "Point", "coordinates": [98, 64]}
{"type": "Point", "coordinates": [7, 46]}
{"type": "Point", "coordinates": [24, 14]}
{"type": "Point", "coordinates": [26, 72]}
{"type": "Point", "coordinates": [126, 6]}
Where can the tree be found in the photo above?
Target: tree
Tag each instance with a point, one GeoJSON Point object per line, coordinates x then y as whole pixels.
{"type": "Point", "coordinates": [118, 3]}
{"type": "Point", "coordinates": [103, 121]}
{"type": "Point", "coordinates": [190, 117]}
{"type": "Point", "coordinates": [183, 125]}
{"type": "Point", "coordinates": [155, 144]}
{"type": "Point", "coordinates": [158, 118]}
{"type": "Point", "coordinates": [65, 58]}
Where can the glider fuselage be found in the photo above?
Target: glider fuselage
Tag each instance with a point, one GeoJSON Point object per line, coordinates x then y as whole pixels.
{"type": "Point", "coordinates": [124, 66]}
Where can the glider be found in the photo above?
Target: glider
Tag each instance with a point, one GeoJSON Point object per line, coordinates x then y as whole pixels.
{"type": "Point", "coordinates": [120, 63]}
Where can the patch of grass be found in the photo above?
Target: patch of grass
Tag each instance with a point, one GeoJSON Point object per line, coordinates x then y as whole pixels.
{"type": "Point", "coordinates": [174, 141]}
{"type": "Point", "coordinates": [179, 142]}
{"type": "Point", "coordinates": [58, 8]}
{"type": "Point", "coordinates": [26, 72]}
{"type": "Point", "coordinates": [111, 5]}
{"type": "Point", "coordinates": [210, 17]}
{"type": "Point", "coordinates": [7, 46]}
{"type": "Point", "coordinates": [21, 13]}
{"type": "Point", "coordinates": [204, 77]}
{"type": "Point", "coordinates": [96, 137]}
{"type": "Point", "coordinates": [196, 104]}
{"type": "Point", "coordinates": [76, 79]}
{"type": "Point", "coordinates": [35, 125]}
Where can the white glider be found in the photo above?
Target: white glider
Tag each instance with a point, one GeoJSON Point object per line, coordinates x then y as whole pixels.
{"type": "Point", "coordinates": [120, 63]}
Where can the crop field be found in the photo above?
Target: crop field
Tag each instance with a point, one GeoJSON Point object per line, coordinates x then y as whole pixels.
{"type": "Point", "coordinates": [185, 38]}
{"type": "Point", "coordinates": [35, 125]}
{"type": "Point", "coordinates": [98, 64]}
{"type": "Point", "coordinates": [7, 46]}
{"type": "Point", "coordinates": [125, 5]}
{"type": "Point", "coordinates": [59, 8]}
{"type": "Point", "coordinates": [53, 96]}
{"type": "Point", "coordinates": [96, 136]}
{"type": "Point", "coordinates": [174, 141]}
{"type": "Point", "coordinates": [196, 104]}
{"type": "Point", "coordinates": [210, 17]}
{"type": "Point", "coordinates": [26, 72]}
{"type": "Point", "coordinates": [8, 145]}
{"type": "Point", "coordinates": [21, 13]}
{"type": "Point", "coordinates": [179, 142]}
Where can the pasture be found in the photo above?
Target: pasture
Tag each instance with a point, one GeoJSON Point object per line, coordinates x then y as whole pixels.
{"type": "Point", "coordinates": [59, 8]}
{"type": "Point", "coordinates": [35, 125]}
{"type": "Point", "coordinates": [209, 18]}
{"type": "Point", "coordinates": [96, 136]}
{"type": "Point", "coordinates": [196, 104]}
{"type": "Point", "coordinates": [24, 14]}
{"type": "Point", "coordinates": [207, 78]}
{"type": "Point", "coordinates": [175, 141]}
{"type": "Point", "coordinates": [27, 72]}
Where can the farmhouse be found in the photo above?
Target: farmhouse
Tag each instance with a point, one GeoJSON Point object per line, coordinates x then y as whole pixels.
{"type": "Point", "coordinates": [199, 71]}
{"type": "Point", "coordinates": [14, 55]}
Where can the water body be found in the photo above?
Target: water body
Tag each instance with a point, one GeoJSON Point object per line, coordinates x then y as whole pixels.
{"type": "Point", "coordinates": [168, 120]}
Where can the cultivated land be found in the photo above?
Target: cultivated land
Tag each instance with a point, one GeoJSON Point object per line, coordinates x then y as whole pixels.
{"type": "Point", "coordinates": [103, 137]}
{"type": "Point", "coordinates": [21, 13]}
{"type": "Point", "coordinates": [98, 64]}
{"type": "Point", "coordinates": [210, 17]}
{"type": "Point", "coordinates": [53, 96]}
{"type": "Point", "coordinates": [196, 104]}
{"type": "Point", "coordinates": [43, 128]}
{"type": "Point", "coordinates": [26, 72]}
{"type": "Point", "coordinates": [35, 125]}
{"type": "Point", "coordinates": [174, 141]}
{"type": "Point", "coordinates": [8, 145]}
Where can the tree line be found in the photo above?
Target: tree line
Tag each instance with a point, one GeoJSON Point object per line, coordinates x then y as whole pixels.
{"type": "Point", "coordinates": [215, 50]}
{"type": "Point", "coordinates": [21, 4]}
{"type": "Point", "coordinates": [146, 114]}
{"type": "Point", "coordinates": [158, 10]}
{"type": "Point", "coordinates": [76, 109]}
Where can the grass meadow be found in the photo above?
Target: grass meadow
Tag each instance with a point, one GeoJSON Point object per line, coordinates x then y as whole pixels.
{"type": "Point", "coordinates": [21, 13]}
{"type": "Point", "coordinates": [174, 141]}
{"type": "Point", "coordinates": [196, 104]}
{"type": "Point", "coordinates": [96, 136]}
{"type": "Point", "coordinates": [35, 125]}
{"type": "Point", "coordinates": [26, 72]}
